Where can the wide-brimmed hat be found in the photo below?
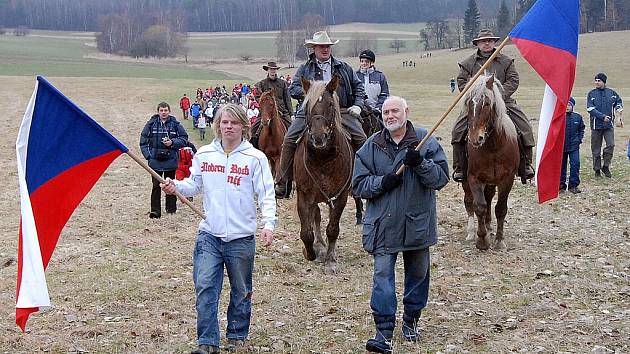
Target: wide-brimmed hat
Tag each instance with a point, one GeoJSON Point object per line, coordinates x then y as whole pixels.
{"type": "Point", "coordinates": [319, 38]}
{"type": "Point", "coordinates": [270, 65]}
{"type": "Point", "coordinates": [485, 34]}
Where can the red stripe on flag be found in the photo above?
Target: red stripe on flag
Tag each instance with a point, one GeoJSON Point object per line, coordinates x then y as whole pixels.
{"type": "Point", "coordinates": [548, 179]}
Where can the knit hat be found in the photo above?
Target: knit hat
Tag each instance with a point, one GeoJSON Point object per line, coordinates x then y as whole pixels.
{"type": "Point", "coordinates": [601, 76]}
{"type": "Point", "coordinates": [571, 101]}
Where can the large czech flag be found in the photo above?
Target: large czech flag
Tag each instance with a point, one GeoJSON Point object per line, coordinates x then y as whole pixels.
{"type": "Point", "coordinates": [61, 153]}
{"type": "Point", "coordinates": [547, 37]}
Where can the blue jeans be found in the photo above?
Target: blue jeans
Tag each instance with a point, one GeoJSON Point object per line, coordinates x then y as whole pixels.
{"type": "Point", "coordinates": [210, 255]}
{"type": "Point", "coordinates": [573, 157]}
{"type": "Point", "coordinates": [416, 287]}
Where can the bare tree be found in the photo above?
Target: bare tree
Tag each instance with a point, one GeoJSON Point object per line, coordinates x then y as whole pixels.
{"type": "Point", "coordinates": [360, 42]}
{"type": "Point", "coordinates": [396, 44]}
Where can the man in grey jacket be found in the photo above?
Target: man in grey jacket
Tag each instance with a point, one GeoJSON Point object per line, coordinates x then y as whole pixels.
{"type": "Point", "coordinates": [321, 65]}
{"type": "Point", "coordinates": [400, 217]}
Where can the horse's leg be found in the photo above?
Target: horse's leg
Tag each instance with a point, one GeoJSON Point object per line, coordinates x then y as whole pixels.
{"type": "Point", "coordinates": [359, 214]}
{"type": "Point", "coordinates": [500, 211]}
{"type": "Point", "coordinates": [480, 210]}
{"type": "Point", "coordinates": [332, 233]}
{"type": "Point", "coordinates": [320, 245]}
{"type": "Point", "coordinates": [489, 194]}
{"type": "Point", "coordinates": [470, 211]}
{"type": "Point", "coordinates": [306, 231]}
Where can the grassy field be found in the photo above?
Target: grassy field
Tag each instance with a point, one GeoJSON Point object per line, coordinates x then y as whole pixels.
{"type": "Point", "coordinates": [121, 282]}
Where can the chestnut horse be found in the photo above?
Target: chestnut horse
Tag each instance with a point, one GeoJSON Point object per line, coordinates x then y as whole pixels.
{"type": "Point", "coordinates": [272, 131]}
{"type": "Point", "coordinates": [322, 171]}
{"type": "Point", "coordinates": [493, 159]}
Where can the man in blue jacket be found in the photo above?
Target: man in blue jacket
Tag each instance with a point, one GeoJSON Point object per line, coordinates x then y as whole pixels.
{"type": "Point", "coordinates": [160, 141]}
{"type": "Point", "coordinates": [600, 104]}
{"type": "Point", "coordinates": [401, 217]}
{"type": "Point", "coordinates": [573, 135]}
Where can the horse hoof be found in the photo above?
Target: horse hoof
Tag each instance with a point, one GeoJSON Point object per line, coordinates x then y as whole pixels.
{"type": "Point", "coordinates": [482, 244]}
{"type": "Point", "coordinates": [330, 268]}
{"type": "Point", "coordinates": [310, 256]}
{"type": "Point", "coordinates": [499, 245]}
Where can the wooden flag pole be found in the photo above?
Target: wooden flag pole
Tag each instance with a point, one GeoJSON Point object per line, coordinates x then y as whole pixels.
{"type": "Point", "coordinates": [458, 98]}
{"type": "Point", "coordinates": [183, 199]}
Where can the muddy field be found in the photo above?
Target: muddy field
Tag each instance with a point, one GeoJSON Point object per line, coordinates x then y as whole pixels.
{"type": "Point", "coordinates": [121, 282]}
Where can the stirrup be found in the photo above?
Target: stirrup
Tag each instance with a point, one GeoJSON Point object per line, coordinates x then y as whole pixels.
{"type": "Point", "coordinates": [458, 179]}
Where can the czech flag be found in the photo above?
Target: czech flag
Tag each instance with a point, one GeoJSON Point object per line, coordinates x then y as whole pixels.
{"type": "Point", "coordinates": [547, 37]}
{"type": "Point", "coordinates": [61, 153]}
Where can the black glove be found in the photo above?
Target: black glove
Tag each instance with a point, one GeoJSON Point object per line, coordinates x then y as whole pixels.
{"type": "Point", "coordinates": [412, 157]}
{"type": "Point", "coordinates": [391, 181]}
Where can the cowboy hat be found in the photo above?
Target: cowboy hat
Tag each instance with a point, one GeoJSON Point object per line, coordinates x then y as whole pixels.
{"type": "Point", "coordinates": [319, 38]}
{"type": "Point", "coordinates": [485, 34]}
{"type": "Point", "coordinates": [270, 65]}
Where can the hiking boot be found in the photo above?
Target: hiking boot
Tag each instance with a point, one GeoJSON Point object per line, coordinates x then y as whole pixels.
{"type": "Point", "coordinates": [381, 343]}
{"type": "Point", "coordinates": [206, 349]}
{"type": "Point", "coordinates": [575, 190]}
{"type": "Point", "coordinates": [154, 215]}
{"type": "Point", "coordinates": [598, 173]}
{"type": "Point", "coordinates": [606, 172]}
{"type": "Point", "coordinates": [459, 161]}
{"type": "Point", "coordinates": [411, 331]}
{"type": "Point", "coordinates": [286, 169]}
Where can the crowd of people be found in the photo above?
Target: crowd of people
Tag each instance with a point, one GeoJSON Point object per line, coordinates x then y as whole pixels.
{"type": "Point", "coordinates": [230, 165]}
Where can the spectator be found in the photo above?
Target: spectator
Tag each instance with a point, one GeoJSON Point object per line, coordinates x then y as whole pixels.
{"type": "Point", "coordinates": [195, 112]}
{"type": "Point", "coordinates": [160, 141]}
{"type": "Point", "coordinates": [573, 135]}
{"type": "Point", "coordinates": [184, 104]}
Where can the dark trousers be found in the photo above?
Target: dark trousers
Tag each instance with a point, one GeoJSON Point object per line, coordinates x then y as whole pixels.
{"type": "Point", "coordinates": [597, 136]}
{"type": "Point", "coordinates": [156, 195]}
{"type": "Point", "coordinates": [573, 158]}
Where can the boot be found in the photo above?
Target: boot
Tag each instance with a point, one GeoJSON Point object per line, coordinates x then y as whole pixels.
{"type": "Point", "coordinates": [411, 331]}
{"type": "Point", "coordinates": [459, 162]}
{"type": "Point", "coordinates": [525, 169]}
{"type": "Point", "coordinates": [381, 343]}
{"type": "Point", "coordinates": [286, 169]}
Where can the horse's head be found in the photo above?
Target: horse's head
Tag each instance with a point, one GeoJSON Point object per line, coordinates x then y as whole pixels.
{"type": "Point", "coordinates": [480, 106]}
{"type": "Point", "coordinates": [268, 108]}
{"type": "Point", "coordinates": [322, 111]}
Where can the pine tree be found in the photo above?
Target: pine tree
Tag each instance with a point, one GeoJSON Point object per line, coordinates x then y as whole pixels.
{"type": "Point", "coordinates": [503, 20]}
{"type": "Point", "coordinates": [472, 21]}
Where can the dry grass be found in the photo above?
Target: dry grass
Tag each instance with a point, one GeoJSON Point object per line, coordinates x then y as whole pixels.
{"type": "Point", "coordinates": [121, 282]}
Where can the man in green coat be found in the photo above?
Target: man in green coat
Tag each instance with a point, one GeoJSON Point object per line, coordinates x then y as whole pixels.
{"type": "Point", "coordinates": [503, 69]}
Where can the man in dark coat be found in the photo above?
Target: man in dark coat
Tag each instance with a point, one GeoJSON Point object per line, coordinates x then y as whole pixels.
{"type": "Point", "coordinates": [573, 135]}
{"type": "Point", "coordinates": [321, 65]}
{"type": "Point", "coordinates": [400, 217]}
{"type": "Point", "coordinates": [600, 104]}
{"type": "Point", "coordinates": [503, 69]}
{"type": "Point", "coordinates": [280, 90]}
{"type": "Point", "coordinates": [160, 141]}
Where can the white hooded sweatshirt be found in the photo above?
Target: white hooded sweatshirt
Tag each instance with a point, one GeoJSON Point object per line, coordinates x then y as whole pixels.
{"type": "Point", "coordinates": [229, 184]}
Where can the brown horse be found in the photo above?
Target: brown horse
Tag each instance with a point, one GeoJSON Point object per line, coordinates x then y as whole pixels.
{"type": "Point", "coordinates": [273, 131]}
{"type": "Point", "coordinates": [492, 159]}
{"type": "Point", "coordinates": [371, 123]}
{"type": "Point", "coordinates": [322, 172]}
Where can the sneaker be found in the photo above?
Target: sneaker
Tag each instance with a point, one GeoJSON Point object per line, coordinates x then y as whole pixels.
{"type": "Point", "coordinates": [154, 215]}
{"type": "Point", "coordinates": [411, 332]}
{"type": "Point", "coordinates": [606, 172]}
{"type": "Point", "coordinates": [575, 190]}
{"type": "Point", "coordinates": [598, 173]}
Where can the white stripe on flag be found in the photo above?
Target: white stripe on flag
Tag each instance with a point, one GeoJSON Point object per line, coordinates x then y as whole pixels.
{"type": "Point", "coordinates": [33, 289]}
{"type": "Point", "coordinates": [544, 122]}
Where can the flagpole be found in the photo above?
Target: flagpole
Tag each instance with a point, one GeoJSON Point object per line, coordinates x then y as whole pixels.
{"type": "Point", "coordinates": [458, 98]}
{"type": "Point", "coordinates": [183, 199]}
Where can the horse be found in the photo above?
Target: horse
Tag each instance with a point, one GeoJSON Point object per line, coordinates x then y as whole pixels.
{"type": "Point", "coordinates": [371, 123]}
{"type": "Point", "coordinates": [493, 159]}
{"type": "Point", "coordinates": [272, 131]}
{"type": "Point", "coordinates": [322, 171]}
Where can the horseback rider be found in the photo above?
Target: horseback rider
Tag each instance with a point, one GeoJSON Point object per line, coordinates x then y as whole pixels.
{"type": "Point", "coordinates": [321, 65]}
{"type": "Point", "coordinates": [374, 82]}
{"type": "Point", "coordinates": [280, 90]}
{"type": "Point", "coordinates": [504, 70]}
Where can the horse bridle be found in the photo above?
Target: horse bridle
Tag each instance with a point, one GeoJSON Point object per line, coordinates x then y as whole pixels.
{"type": "Point", "coordinates": [328, 135]}
{"type": "Point", "coordinates": [489, 127]}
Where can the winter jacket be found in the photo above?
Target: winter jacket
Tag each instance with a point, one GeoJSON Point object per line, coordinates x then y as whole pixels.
{"type": "Point", "coordinates": [160, 156]}
{"type": "Point", "coordinates": [376, 87]}
{"type": "Point", "coordinates": [229, 184]}
{"type": "Point", "coordinates": [280, 93]}
{"type": "Point", "coordinates": [185, 162]}
{"type": "Point", "coordinates": [403, 218]}
{"type": "Point", "coordinates": [350, 89]}
{"type": "Point", "coordinates": [574, 132]}
{"type": "Point", "coordinates": [195, 110]}
{"type": "Point", "coordinates": [184, 103]}
{"type": "Point", "coordinates": [600, 103]}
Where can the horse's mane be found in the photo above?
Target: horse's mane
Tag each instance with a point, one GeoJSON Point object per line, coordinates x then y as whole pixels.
{"type": "Point", "coordinates": [314, 95]}
{"type": "Point", "coordinates": [503, 123]}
